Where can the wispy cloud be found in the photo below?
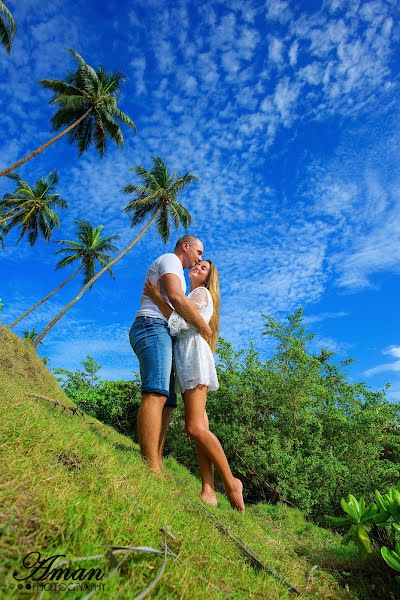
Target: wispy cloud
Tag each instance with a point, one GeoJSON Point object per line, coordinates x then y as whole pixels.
{"type": "Point", "coordinates": [393, 366]}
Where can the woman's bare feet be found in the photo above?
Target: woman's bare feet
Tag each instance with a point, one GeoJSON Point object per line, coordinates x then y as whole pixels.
{"type": "Point", "coordinates": [209, 497]}
{"type": "Point", "coordinates": [235, 495]}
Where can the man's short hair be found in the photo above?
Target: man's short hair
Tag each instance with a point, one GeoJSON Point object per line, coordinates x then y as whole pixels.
{"type": "Point", "coordinates": [190, 239]}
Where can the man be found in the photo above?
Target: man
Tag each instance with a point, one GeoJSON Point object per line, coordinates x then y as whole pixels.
{"type": "Point", "coordinates": [151, 341]}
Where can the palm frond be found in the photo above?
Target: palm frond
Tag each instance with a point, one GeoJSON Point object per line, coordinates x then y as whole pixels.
{"type": "Point", "coordinates": [112, 128]}
{"type": "Point", "coordinates": [99, 136]}
{"type": "Point", "coordinates": [84, 134]}
{"type": "Point", "coordinates": [92, 247]}
{"type": "Point", "coordinates": [67, 260]}
{"type": "Point", "coordinates": [83, 65]}
{"type": "Point", "coordinates": [141, 213]}
{"type": "Point", "coordinates": [64, 88]}
{"type": "Point", "coordinates": [181, 183]}
{"type": "Point", "coordinates": [163, 224]}
{"type": "Point", "coordinates": [33, 208]}
{"type": "Point", "coordinates": [137, 203]}
{"type": "Point", "coordinates": [124, 118]}
{"type": "Point", "coordinates": [2, 235]}
{"type": "Point", "coordinates": [8, 27]}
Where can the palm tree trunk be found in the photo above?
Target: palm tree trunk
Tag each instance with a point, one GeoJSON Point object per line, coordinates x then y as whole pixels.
{"type": "Point", "coordinates": [10, 215]}
{"type": "Point", "coordinates": [95, 278]}
{"type": "Point", "coordinates": [38, 150]}
{"type": "Point", "coordinates": [28, 312]}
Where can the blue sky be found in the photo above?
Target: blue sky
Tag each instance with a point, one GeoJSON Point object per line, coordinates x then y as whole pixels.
{"type": "Point", "coordinates": [287, 111]}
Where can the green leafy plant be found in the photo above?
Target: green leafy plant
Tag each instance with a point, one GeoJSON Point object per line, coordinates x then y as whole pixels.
{"type": "Point", "coordinates": [360, 519]}
{"type": "Point", "coordinates": [390, 503]}
{"type": "Point", "coordinates": [392, 558]}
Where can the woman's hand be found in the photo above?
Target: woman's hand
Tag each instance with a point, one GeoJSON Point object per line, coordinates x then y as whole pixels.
{"type": "Point", "coordinates": [153, 290]}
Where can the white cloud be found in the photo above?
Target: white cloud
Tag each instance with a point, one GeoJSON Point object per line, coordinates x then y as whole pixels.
{"type": "Point", "coordinates": [393, 366]}
{"type": "Point", "coordinates": [138, 65]}
{"type": "Point", "coordinates": [275, 50]}
{"type": "Point", "coordinates": [293, 52]}
{"type": "Point", "coordinates": [285, 96]}
{"type": "Point", "coordinates": [312, 73]}
{"type": "Point", "coordinates": [230, 62]}
{"type": "Point", "coordinates": [309, 319]}
{"type": "Point", "coordinates": [164, 55]}
{"type": "Point", "coordinates": [278, 10]}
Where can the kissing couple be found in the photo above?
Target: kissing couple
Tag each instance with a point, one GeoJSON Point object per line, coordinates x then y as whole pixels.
{"type": "Point", "coordinates": [174, 337]}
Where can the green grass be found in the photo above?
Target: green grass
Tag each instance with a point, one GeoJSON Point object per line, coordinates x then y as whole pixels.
{"type": "Point", "coordinates": [75, 486]}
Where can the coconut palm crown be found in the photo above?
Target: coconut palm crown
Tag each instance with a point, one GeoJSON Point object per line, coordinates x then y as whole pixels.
{"type": "Point", "coordinates": [90, 248]}
{"type": "Point", "coordinates": [87, 110]}
{"type": "Point", "coordinates": [157, 194]}
{"type": "Point", "coordinates": [91, 91]}
{"type": "Point", "coordinates": [32, 208]}
{"type": "Point", "coordinates": [7, 27]}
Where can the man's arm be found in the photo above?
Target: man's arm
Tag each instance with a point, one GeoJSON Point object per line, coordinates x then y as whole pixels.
{"type": "Point", "coordinates": [172, 286]}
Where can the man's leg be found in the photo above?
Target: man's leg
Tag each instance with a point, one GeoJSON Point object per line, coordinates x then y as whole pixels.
{"type": "Point", "coordinates": [150, 425]}
{"type": "Point", "coordinates": [166, 418]}
{"type": "Point", "coordinates": [151, 342]}
{"type": "Point", "coordinates": [167, 413]}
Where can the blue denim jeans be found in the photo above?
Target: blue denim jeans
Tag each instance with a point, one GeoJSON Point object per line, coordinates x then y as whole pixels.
{"type": "Point", "coordinates": [153, 345]}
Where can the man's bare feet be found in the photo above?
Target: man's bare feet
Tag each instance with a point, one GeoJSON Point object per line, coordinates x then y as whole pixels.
{"type": "Point", "coordinates": [235, 495]}
{"type": "Point", "coordinates": [209, 497]}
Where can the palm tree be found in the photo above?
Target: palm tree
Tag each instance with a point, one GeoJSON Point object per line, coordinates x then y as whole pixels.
{"type": "Point", "coordinates": [156, 197]}
{"type": "Point", "coordinates": [87, 103]}
{"type": "Point", "coordinates": [90, 248]}
{"type": "Point", "coordinates": [31, 209]}
{"type": "Point", "coordinates": [30, 335]}
{"type": "Point", "coordinates": [7, 27]}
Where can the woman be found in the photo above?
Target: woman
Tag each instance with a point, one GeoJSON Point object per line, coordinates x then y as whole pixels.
{"type": "Point", "coordinates": [195, 373]}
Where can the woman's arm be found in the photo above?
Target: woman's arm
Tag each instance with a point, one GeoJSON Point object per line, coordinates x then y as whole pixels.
{"type": "Point", "coordinates": [153, 290]}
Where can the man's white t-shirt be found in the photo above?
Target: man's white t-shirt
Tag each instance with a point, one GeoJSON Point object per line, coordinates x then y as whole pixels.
{"type": "Point", "coordinates": [166, 263]}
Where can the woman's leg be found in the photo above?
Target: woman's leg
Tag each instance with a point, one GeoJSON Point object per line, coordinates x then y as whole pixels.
{"type": "Point", "coordinates": [206, 472]}
{"type": "Point", "coordinates": [195, 405]}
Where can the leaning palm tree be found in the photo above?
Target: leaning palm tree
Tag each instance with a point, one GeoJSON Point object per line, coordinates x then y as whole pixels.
{"type": "Point", "coordinates": [31, 208]}
{"type": "Point", "coordinates": [155, 198]}
{"type": "Point", "coordinates": [7, 27]}
{"type": "Point", "coordinates": [88, 110]}
{"type": "Point", "coordinates": [90, 248]}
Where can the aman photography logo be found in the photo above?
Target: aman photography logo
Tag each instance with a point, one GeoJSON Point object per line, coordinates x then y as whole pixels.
{"type": "Point", "coordinates": [39, 574]}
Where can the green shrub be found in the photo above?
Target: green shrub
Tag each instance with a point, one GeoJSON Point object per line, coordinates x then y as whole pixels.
{"type": "Point", "coordinates": [294, 427]}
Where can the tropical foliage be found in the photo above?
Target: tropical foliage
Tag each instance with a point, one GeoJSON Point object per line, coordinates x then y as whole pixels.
{"type": "Point", "coordinates": [87, 109]}
{"type": "Point", "coordinates": [90, 248]}
{"type": "Point", "coordinates": [8, 27]}
{"type": "Point", "coordinates": [31, 209]}
{"type": "Point", "coordinates": [2, 225]}
{"type": "Point", "coordinates": [385, 513]}
{"type": "Point", "coordinates": [293, 427]}
{"type": "Point", "coordinates": [115, 403]}
{"type": "Point", "coordinates": [156, 196]}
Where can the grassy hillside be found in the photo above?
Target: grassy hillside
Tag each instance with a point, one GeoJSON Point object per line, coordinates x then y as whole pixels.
{"type": "Point", "coordinates": [71, 485]}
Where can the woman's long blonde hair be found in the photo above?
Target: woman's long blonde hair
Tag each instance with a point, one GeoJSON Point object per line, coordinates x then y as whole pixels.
{"type": "Point", "coordinates": [212, 284]}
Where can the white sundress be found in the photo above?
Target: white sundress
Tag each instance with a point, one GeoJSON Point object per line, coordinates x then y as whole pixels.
{"type": "Point", "coordinates": [193, 359]}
